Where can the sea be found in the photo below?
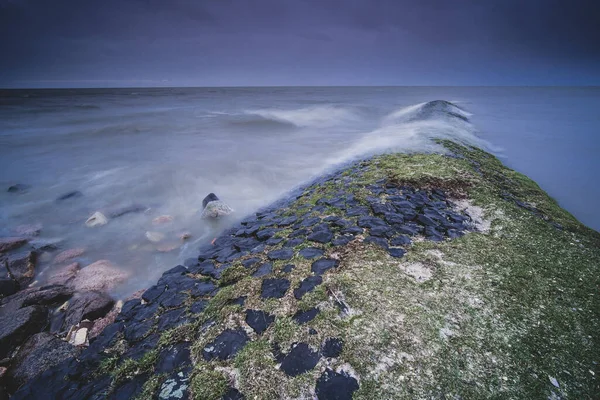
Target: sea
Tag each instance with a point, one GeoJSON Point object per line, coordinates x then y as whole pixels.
{"type": "Point", "coordinates": [164, 149]}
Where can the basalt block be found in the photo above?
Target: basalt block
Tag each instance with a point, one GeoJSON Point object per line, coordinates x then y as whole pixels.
{"type": "Point", "coordinates": [226, 345]}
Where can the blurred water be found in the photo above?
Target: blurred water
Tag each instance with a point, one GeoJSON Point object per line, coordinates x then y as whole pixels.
{"type": "Point", "coordinates": [167, 148]}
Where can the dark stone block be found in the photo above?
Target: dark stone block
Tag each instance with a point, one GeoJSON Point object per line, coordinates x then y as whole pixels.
{"type": "Point", "coordinates": [454, 233]}
{"type": "Point", "coordinates": [281, 254]}
{"type": "Point", "coordinates": [332, 347]}
{"type": "Point", "coordinates": [311, 252]}
{"type": "Point", "coordinates": [427, 221]}
{"type": "Point", "coordinates": [342, 240]}
{"type": "Point", "coordinates": [331, 218]}
{"type": "Point", "coordinates": [357, 211]}
{"type": "Point", "coordinates": [334, 386]}
{"type": "Point", "coordinates": [307, 285]}
{"type": "Point", "coordinates": [370, 222]}
{"type": "Point", "coordinates": [130, 389]}
{"type": "Point", "coordinates": [141, 348]}
{"type": "Point", "coordinates": [320, 266]}
{"type": "Point", "coordinates": [302, 317]}
{"type": "Point", "coordinates": [178, 270]}
{"type": "Point", "coordinates": [274, 241]}
{"type": "Point", "coordinates": [396, 252]}
{"type": "Point", "coordinates": [404, 204]}
{"type": "Point", "coordinates": [320, 227]}
{"type": "Point", "coordinates": [259, 320]}
{"type": "Point", "coordinates": [171, 319]}
{"type": "Point", "coordinates": [288, 221]}
{"type": "Point", "coordinates": [394, 219]}
{"type": "Point", "coordinates": [310, 222]}
{"type": "Point", "coordinates": [322, 236]}
{"type": "Point", "coordinates": [169, 299]}
{"type": "Point", "coordinates": [87, 305]}
{"type": "Point", "coordinates": [153, 293]}
{"type": "Point", "coordinates": [263, 270]}
{"type": "Point", "coordinates": [226, 345]}
{"type": "Point", "coordinates": [407, 229]}
{"type": "Point", "coordinates": [381, 231]}
{"type": "Point", "coordinates": [299, 232]}
{"type": "Point", "coordinates": [353, 230]}
{"type": "Point", "coordinates": [128, 307]}
{"type": "Point", "coordinates": [238, 301]}
{"type": "Point", "coordinates": [144, 311]}
{"type": "Point", "coordinates": [293, 242]}
{"type": "Point", "coordinates": [198, 306]}
{"type": "Point", "coordinates": [16, 327]}
{"type": "Point", "coordinates": [173, 358]}
{"type": "Point", "coordinates": [400, 240]}
{"type": "Point", "coordinates": [137, 330]}
{"type": "Point", "coordinates": [288, 268]}
{"type": "Point", "coordinates": [266, 233]}
{"type": "Point", "coordinates": [381, 242]}
{"type": "Point", "coordinates": [258, 249]}
{"type": "Point", "coordinates": [71, 195]}
{"type": "Point", "coordinates": [299, 360]}
{"type": "Point", "coordinates": [250, 262]}
{"type": "Point", "coordinates": [206, 288]}
{"type": "Point", "coordinates": [274, 288]}
{"type": "Point", "coordinates": [382, 208]}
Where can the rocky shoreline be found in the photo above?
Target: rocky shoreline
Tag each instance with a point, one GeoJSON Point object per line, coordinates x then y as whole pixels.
{"type": "Point", "coordinates": [278, 305]}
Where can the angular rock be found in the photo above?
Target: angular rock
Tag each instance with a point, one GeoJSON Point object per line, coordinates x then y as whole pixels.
{"type": "Point", "coordinates": [67, 255]}
{"type": "Point", "coordinates": [22, 267]}
{"type": "Point", "coordinates": [138, 350]}
{"type": "Point", "coordinates": [172, 358]}
{"type": "Point", "coordinates": [335, 386]}
{"type": "Point", "coordinates": [130, 389]}
{"type": "Point", "coordinates": [250, 262]}
{"type": "Point", "coordinates": [332, 347]}
{"type": "Point", "coordinates": [8, 286]}
{"type": "Point", "coordinates": [169, 299]}
{"type": "Point", "coordinates": [265, 234]}
{"type": "Point", "coordinates": [396, 252]}
{"type": "Point", "coordinates": [153, 293]}
{"type": "Point", "coordinates": [263, 270]}
{"type": "Point", "coordinates": [310, 222]}
{"type": "Point", "coordinates": [311, 252]}
{"type": "Point", "coordinates": [401, 240]}
{"type": "Point", "coordinates": [16, 327]}
{"type": "Point", "coordinates": [226, 345]}
{"type": "Point", "coordinates": [64, 275]}
{"type": "Point", "coordinates": [321, 236]}
{"type": "Point", "coordinates": [376, 240]}
{"type": "Point", "coordinates": [288, 268]}
{"type": "Point", "coordinates": [322, 265]}
{"type": "Point", "coordinates": [299, 360]}
{"type": "Point", "coordinates": [259, 320]}
{"type": "Point", "coordinates": [96, 219]}
{"type": "Point", "coordinates": [274, 288]}
{"type": "Point", "coordinates": [39, 353]}
{"type": "Point", "coordinates": [281, 254]}
{"type": "Point", "coordinates": [10, 243]}
{"type": "Point", "coordinates": [198, 306]}
{"type": "Point", "coordinates": [216, 209]}
{"type": "Point", "coordinates": [87, 305]}
{"type": "Point", "coordinates": [137, 330]}
{"type": "Point", "coordinates": [293, 242]}
{"type": "Point", "coordinates": [380, 231]}
{"type": "Point", "coordinates": [307, 285]}
{"type": "Point", "coordinates": [302, 317]}
{"type": "Point", "coordinates": [101, 276]}
{"type": "Point", "coordinates": [341, 240]}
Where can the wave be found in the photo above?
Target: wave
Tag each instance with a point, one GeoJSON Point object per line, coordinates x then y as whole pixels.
{"type": "Point", "coordinates": [316, 116]}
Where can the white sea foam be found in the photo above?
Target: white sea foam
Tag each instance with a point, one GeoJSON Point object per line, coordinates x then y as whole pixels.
{"type": "Point", "coordinates": [316, 116]}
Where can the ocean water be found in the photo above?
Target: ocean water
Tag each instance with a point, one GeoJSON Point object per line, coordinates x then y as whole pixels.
{"type": "Point", "coordinates": [167, 148]}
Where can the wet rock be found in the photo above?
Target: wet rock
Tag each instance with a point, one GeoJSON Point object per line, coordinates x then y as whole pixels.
{"type": "Point", "coordinates": [259, 320]}
{"type": "Point", "coordinates": [145, 311]}
{"type": "Point", "coordinates": [263, 270]}
{"type": "Point", "coordinates": [407, 229]}
{"type": "Point", "coordinates": [335, 386]}
{"type": "Point", "coordinates": [246, 244]}
{"type": "Point", "coordinates": [172, 358]}
{"type": "Point", "coordinates": [274, 241]}
{"type": "Point", "coordinates": [198, 306]}
{"type": "Point", "coordinates": [332, 347]}
{"type": "Point", "coordinates": [169, 300]}
{"type": "Point", "coordinates": [45, 244]}
{"type": "Point", "coordinates": [18, 188]}
{"type": "Point", "coordinates": [153, 292]}
{"type": "Point", "coordinates": [288, 268]}
{"type": "Point", "coordinates": [302, 317]}
{"type": "Point", "coordinates": [66, 255]}
{"type": "Point", "coordinates": [39, 353]}
{"type": "Point", "coordinates": [299, 360]}
{"type": "Point", "coordinates": [215, 209]}
{"type": "Point", "coordinates": [206, 288]}
{"type": "Point", "coordinates": [137, 330]}
{"type": "Point", "coordinates": [321, 236]}
{"type": "Point", "coordinates": [28, 230]}
{"type": "Point", "coordinates": [281, 254]}
{"type": "Point", "coordinates": [396, 252]}
{"type": "Point", "coordinates": [64, 275]}
{"type": "Point", "coordinates": [226, 345]}
{"type": "Point", "coordinates": [401, 240]}
{"type": "Point", "coordinates": [311, 252]}
{"type": "Point", "coordinates": [8, 286]}
{"type": "Point", "coordinates": [87, 305]}
{"type": "Point", "coordinates": [17, 326]}
{"type": "Point", "coordinates": [310, 222]}
{"type": "Point", "coordinates": [175, 387]}
{"type": "Point", "coordinates": [288, 221]}
{"type": "Point", "coordinates": [274, 288]}
{"type": "Point", "coordinates": [11, 243]}
{"type": "Point", "coordinates": [131, 209]}
{"type": "Point", "coordinates": [266, 233]}
{"type": "Point", "coordinates": [307, 285]}
{"type": "Point", "coordinates": [70, 195]}
{"type": "Point", "coordinates": [370, 222]}
{"type": "Point", "coordinates": [100, 276]}
{"type": "Point", "coordinates": [130, 389]}
{"type": "Point", "coordinates": [45, 295]}
{"type": "Point", "coordinates": [96, 219]}
{"type": "Point", "coordinates": [207, 268]}
{"type": "Point", "coordinates": [22, 267]}
{"type": "Point", "coordinates": [293, 242]}
{"type": "Point", "coordinates": [322, 265]}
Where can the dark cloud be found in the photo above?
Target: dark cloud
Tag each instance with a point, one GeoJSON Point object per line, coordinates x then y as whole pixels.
{"type": "Point", "coordinates": [301, 41]}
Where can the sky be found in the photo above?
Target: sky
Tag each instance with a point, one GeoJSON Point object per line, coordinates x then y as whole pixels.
{"type": "Point", "coordinates": [126, 43]}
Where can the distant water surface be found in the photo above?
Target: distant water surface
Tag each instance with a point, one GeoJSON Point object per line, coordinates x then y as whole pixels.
{"type": "Point", "coordinates": [166, 148]}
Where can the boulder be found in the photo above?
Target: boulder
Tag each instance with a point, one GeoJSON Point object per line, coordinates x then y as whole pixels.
{"type": "Point", "coordinates": [87, 305]}
{"type": "Point", "coordinates": [18, 326]}
{"type": "Point", "coordinates": [10, 243]}
{"type": "Point", "coordinates": [28, 230]}
{"type": "Point", "coordinates": [45, 295]}
{"type": "Point", "coordinates": [39, 353]}
{"type": "Point", "coordinates": [212, 207]}
{"type": "Point", "coordinates": [67, 255]}
{"type": "Point", "coordinates": [96, 219]}
{"type": "Point", "coordinates": [64, 275]}
{"type": "Point", "coordinates": [100, 276]}
{"type": "Point", "coordinates": [208, 199]}
{"type": "Point", "coordinates": [22, 267]}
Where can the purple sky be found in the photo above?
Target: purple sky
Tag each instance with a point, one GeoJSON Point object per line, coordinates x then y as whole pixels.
{"type": "Point", "coordinates": [112, 43]}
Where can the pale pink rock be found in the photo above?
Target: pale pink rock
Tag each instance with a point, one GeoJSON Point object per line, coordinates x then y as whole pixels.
{"type": "Point", "coordinates": [101, 276]}
{"type": "Point", "coordinates": [163, 219]}
{"type": "Point", "coordinates": [64, 275]}
{"type": "Point", "coordinates": [67, 255]}
{"type": "Point", "coordinates": [28, 230]}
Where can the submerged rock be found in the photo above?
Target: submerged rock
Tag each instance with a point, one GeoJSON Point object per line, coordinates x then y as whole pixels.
{"type": "Point", "coordinates": [71, 195]}
{"type": "Point", "coordinates": [212, 207]}
{"type": "Point", "coordinates": [97, 219]}
{"type": "Point", "coordinates": [22, 268]}
{"type": "Point", "coordinates": [11, 243]}
{"type": "Point", "coordinates": [18, 188]}
{"type": "Point", "coordinates": [28, 230]}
